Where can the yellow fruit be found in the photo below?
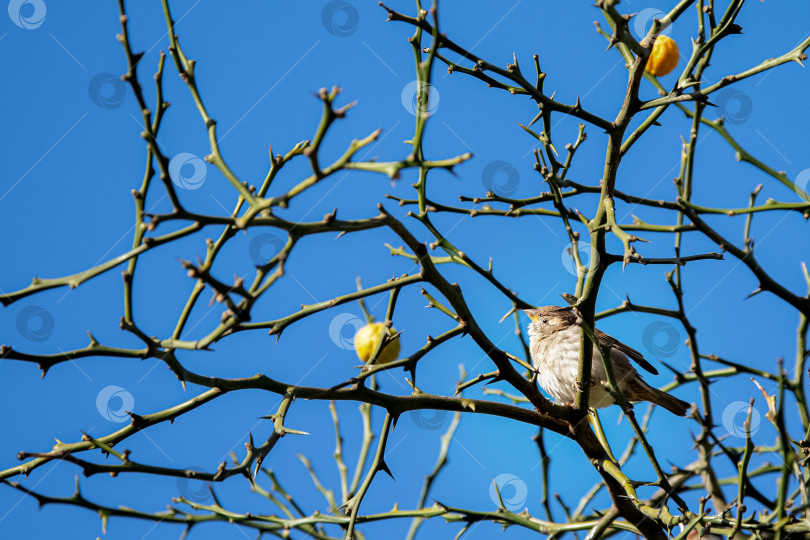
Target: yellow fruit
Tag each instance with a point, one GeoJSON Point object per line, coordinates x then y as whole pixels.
{"type": "Point", "coordinates": [366, 339]}
{"type": "Point", "coordinates": [663, 57]}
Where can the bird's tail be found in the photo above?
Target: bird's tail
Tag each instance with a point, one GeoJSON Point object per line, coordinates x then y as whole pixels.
{"type": "Point", "coordinates": [670, 403]}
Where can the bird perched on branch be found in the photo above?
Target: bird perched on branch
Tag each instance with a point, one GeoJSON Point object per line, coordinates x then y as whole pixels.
{"type": "Point", "coordinates": [554, 333]}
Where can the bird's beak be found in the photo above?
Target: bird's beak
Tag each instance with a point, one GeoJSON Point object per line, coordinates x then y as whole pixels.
{"type": "Point", "coordinates": [532, 314]}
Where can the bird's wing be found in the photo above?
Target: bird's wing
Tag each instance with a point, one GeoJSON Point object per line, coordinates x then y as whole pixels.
{"type": "Point", "coordinates": [629, 351]}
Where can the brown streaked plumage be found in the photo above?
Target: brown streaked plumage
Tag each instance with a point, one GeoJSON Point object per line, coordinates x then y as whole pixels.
{"type": "Point", "coordinates": [554, 334]}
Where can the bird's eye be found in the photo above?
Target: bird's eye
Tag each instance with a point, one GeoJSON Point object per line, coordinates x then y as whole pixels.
{"type": "Point", "coordinates": [545, 321]}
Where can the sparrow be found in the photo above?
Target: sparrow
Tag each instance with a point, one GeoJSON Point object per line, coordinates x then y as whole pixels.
{"type": "Point", "coordinates": [554, 334]}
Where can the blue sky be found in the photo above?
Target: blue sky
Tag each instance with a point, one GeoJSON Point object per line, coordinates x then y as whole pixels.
{"type": "Point", "coordinates": [72, 152]}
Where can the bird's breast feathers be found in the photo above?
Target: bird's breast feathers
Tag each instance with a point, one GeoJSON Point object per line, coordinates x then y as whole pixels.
{"type": "Point", "coordinates": [556, 358]}
{"type": "Point", "coordinates": [553, 360]}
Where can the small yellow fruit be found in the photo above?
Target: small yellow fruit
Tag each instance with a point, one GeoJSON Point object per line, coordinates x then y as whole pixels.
{"type": "Point", "coordinates": [663, 57]}
{"type": "Point", "coordinates": [366, 339]}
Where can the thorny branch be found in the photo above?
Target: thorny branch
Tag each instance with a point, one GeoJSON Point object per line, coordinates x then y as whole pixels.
{"type": "Point", "coordinates": [781, 514]}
